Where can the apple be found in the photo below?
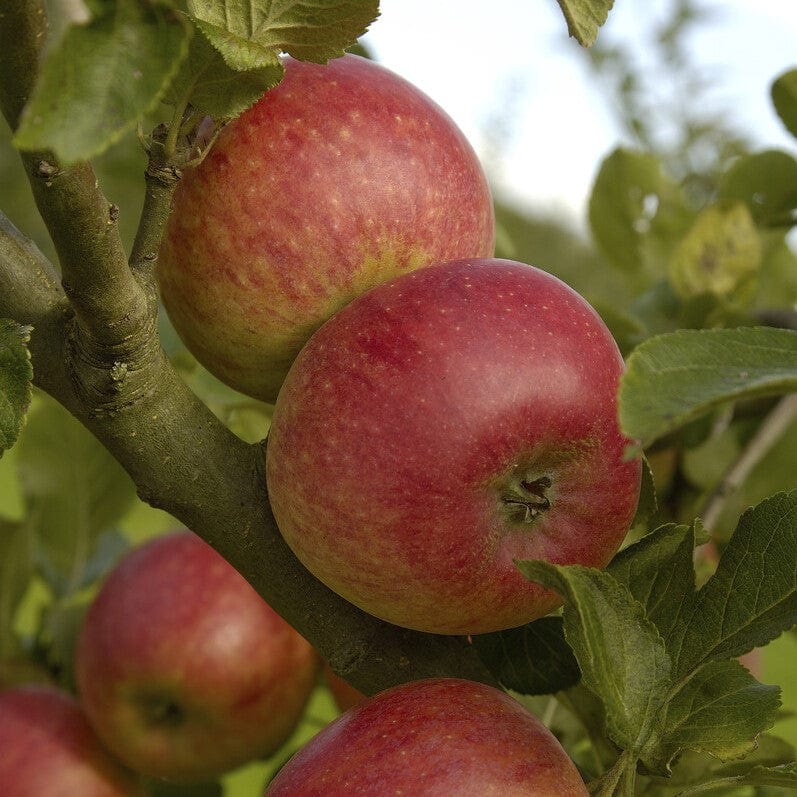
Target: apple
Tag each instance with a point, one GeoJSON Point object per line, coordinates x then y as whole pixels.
{"type": "Point", "coordinates": [184, 671]}
{"type": "Point", "coordinates": [442, 426]}
{"type": "Point", "coordinates": [48, 748]}
{"type": "Point", "coordinates": [339, 178]}
{"type": "Point", "coordinates": [343, 693]}
{"type": "Point", "coordinates": [440, 736]}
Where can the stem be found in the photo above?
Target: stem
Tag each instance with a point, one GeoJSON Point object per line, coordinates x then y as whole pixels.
{"type": "Point", "coordinates": [619, 781]}
{"type": "Point", "coordinates": [181, 458]}
{"type": "Point", "coordinates": [768, 433]}
{"type": "Point", "coordinates": [161, 176]}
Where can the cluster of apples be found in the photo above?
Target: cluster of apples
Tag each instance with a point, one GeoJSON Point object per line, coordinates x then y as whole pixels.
{"type": "Point", "coordinates": [438, 415]}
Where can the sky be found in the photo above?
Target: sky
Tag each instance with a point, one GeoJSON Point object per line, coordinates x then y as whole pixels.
{"type": "Point", "coordinates": [477, 59]}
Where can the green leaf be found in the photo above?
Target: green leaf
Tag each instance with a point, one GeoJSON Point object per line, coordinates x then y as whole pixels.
{"type": "Point", "coordinates": [752, 596]}
{"type": "Point", "coordinates": [73, 490]}
{"type": "Point", "coordinates": [720, 711]}
{"type": "Point", "coordinates": [659, 573]}
{"type": "Point", "coordinates": [720, 255]}
{"type": "Point", "coordinates": [102, 77]}
{"type": "Point", "coordinates": [635, 214]}
{"type": "Point", "coordinates": [676, 377]}
{"type": "Point", "coordinates": [766, 182]}
{"type": "Point", "coordinates": [691, 768]}
{"type": "Point", "coordinates": [585, 17]}
{"type": "Point", "coordinates": [784, 98]}
{"type": "Point", "coordinates": [784, 775]}
{"type": "Point", "coordinates": [620, 653]}
{"type": "Point", "coordinates": [305, 29]}
{"type": "Point", "coordinates": [212, 87]}
{"type": "Point", "coordinates": [238, 53]}
{"type": "Point", "coordinates": [16, 373]}
{"type": "Point", "coordinates": [534, 659]}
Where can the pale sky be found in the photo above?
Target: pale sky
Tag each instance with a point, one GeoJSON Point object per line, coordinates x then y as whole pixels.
{"type": "Point", "coordinates": [474, 58]}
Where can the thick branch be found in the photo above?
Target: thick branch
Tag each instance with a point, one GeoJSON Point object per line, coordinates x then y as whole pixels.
{"type": "Point", "coordinates": [99, 355]}
{"type": "Point", "coordinates": [184, 461]}
{"type": "Point", "coordinates": [108, 301]}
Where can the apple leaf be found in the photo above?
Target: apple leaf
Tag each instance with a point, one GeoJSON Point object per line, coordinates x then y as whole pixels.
{"type": "Point", "coordinates": [752, 596]}
{"type": "Point", "coordinates": [585, 17]}
{"type": "Point", "coordinates": [102, 77]}
{"type": "Point", "coordinates": [720, 255]}
{"type": "Point", "coordinates": [16, 373]}
{"type": "Point", "coordinates": [629, 194]}
{"type": "Point", "coordinates": [243, 30]}
{"type": "Point", "coordinates": [659, 573]}
{"type": "Point", "coordinates": [534, 659]}
{"type": "Point", "coordinates": [784, 98]}
{"type": "Point", "coordinates": [73, 490]}
{"type": "Point", "coordinates": [766, 182]}
{"type": "Point", "coordinates": [693, 769]}
{"type": "Point", "coordinates": [211, 86]}
{"type": "Point", "coordinates": [720, 711]}
{"type": "Point", "coordinates": [238, 53]}
{"type": "Point", "coordinates": [675, 377]}
{"type": "Point", "coordinates": [620, 652]}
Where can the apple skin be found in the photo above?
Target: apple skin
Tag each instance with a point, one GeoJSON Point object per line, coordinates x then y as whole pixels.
{"type": "Point", "coordinates": [433, 737]}
{"type": "Point", "coordinates": [339, 178]}
{"type": "Point", "coordinates": [48, 748]}
{"type": "Point", "coordinates": [184, 671]}
{"type": "Point", "coordinates": [440, 427]}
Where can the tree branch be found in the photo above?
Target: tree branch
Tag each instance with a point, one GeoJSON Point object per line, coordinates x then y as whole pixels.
{"type": "Point", "coordinates": [768, 433]}
{"type": "Point", "coordinates": [99, 355]}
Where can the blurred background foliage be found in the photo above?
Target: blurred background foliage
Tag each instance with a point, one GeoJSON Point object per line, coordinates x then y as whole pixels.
{"type": "Point", "coordinates": [689, 228]}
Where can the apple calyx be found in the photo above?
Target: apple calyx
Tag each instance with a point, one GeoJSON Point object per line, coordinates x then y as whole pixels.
{"type": "Point", "coordinates": [161, 711]}
{"type": "Point", "coordinates": [525, 500]}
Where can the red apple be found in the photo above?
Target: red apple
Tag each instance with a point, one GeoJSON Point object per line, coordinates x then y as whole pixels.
{"type": "Point", "coordinates": [441, 427]}
{"type": "Point", "coordinates": [184, 671]}
{"type": "Point", "coordinates": [434, 737]}
{"type": "Point", "coordinates": [344, 694]}
{"type": "Point", "coordinates": [48, 749]}
{"type": "Point", "coordinates": [341, 177]}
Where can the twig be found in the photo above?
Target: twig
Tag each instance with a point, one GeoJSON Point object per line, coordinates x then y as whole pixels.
{"type": "Point", "coordinates": [768, 433]}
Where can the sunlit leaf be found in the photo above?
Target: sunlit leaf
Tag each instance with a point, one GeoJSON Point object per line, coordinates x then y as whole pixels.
{"type": "Point", "coordinates": [720, 255]}
{"type": "Point", "coordinates": [305, 29]}
{"type": "Point", "coordinates": [585, 17]}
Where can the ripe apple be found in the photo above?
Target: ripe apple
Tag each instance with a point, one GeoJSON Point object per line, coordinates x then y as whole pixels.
{"type": "Point", "coordinates": [442, 426]}
{"type": "Point", "coordinates": [184, 671]}
{"type": "Point", "coordinates": [434, 737]}
{"type": "Point", "coordinates": [344, 694]}
{"type": "Point", "coordinates": [341, 177]}
{"type": "Point", "coordinates": [48, 749]}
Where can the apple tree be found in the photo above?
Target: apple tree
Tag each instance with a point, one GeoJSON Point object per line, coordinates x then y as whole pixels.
{"type": "Point", "coordinates": [112, 432]}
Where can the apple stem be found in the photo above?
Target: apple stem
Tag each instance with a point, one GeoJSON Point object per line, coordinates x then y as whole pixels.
{"type": "Point", "coordinates": [528, 499]}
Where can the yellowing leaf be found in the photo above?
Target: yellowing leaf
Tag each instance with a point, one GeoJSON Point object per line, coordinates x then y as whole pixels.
{"type": "Point", "coordinates": [720, 255]}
